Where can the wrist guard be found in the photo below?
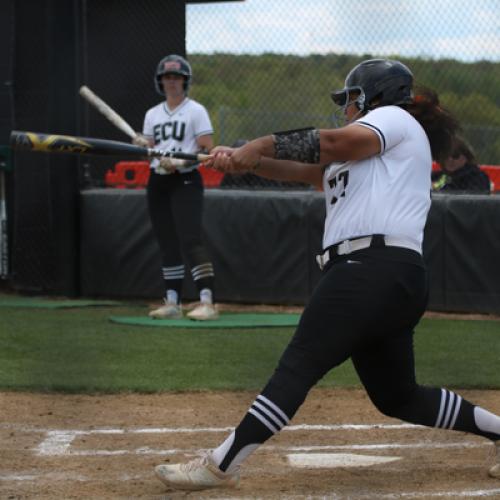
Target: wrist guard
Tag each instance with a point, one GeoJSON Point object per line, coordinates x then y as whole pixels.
{"type": "Point", "coordinates": [297, 145]}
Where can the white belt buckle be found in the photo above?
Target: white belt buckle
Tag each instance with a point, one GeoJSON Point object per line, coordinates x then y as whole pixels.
{"type": "Point", "coordinates": [322, 259]}
{"type": "Point", "coordinates": [344, 248]}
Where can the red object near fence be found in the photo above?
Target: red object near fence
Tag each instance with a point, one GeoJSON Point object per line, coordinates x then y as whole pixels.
{"type": "Point", "coordinates": [128, 174]}
{"type": "Point", "coordinates": [135, 175]}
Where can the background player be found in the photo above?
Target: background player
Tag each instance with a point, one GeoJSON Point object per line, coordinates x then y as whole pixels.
{"type": "Point", "coordinates": [460, 172]}
{"type": "Point", "coordinates": [174, 193]}
{"type": "Point", "coordinates": [376, 176]}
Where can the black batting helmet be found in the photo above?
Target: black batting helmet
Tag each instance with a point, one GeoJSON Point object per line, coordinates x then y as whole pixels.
{"type": "Point", "coordinates": [386, 80]}
{"type": "Point", "coordinates": [176, 65]}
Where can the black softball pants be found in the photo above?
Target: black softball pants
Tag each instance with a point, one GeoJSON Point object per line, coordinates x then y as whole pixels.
{"type": "Point", "coordinates": [175, 205]}
{"type": "Point", "coordinates": [365, 308]}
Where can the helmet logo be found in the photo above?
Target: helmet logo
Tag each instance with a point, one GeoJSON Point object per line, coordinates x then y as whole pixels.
{"type": "Point", "coordinates": [171, 65]}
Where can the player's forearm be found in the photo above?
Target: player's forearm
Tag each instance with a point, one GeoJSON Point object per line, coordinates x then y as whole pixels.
{"type": "Point", "coordinates": [289, 171]}
{"type": "Point", "coordinates": [324, 146]}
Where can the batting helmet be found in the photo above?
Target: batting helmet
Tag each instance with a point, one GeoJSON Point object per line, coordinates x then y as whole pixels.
{"type": "Point", "coordinates": [174, 65]}
{"type": "Point", "coordinates": [387, 81]}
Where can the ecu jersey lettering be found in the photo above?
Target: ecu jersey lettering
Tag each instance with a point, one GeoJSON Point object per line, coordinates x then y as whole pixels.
{"type": "Point", "coordinates": [177, 129]}
{"type": "Point", "coordinates": [170, 130]}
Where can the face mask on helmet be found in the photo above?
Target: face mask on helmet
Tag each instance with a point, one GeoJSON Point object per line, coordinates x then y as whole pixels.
{"type": "Point", "coordinates": [344, 98]}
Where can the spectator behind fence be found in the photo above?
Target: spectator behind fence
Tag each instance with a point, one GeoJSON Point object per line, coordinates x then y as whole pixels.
{"type": "Point", "coordinates": [460, 172]}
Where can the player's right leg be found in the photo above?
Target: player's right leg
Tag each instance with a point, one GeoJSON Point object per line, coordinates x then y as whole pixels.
{"type": "Point", "coordinates": [187, 209]}
{"type": "Point", "coordinates": [164, 229]}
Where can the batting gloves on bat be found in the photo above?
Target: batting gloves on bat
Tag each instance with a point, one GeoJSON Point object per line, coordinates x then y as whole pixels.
{"type": "Point", "coordinates": [169, 165]}
{"type": "Point", "coordinates": [142, 141]}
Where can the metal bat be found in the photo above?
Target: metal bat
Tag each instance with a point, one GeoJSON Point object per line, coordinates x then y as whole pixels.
{"type": "Point", "coordinates": [54, 143]}
{"type": "Point", "coordinates": [107, 111]}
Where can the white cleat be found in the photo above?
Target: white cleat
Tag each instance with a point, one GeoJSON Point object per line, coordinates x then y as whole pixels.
{"type": "Point", "coordinates": [168, 311]}
{"type": "Point", "coordinates": [203, 312]}
{"type": "Point", "coordinates": [495, 470]}
{"type": "Point", "coordinates": [199, 474]}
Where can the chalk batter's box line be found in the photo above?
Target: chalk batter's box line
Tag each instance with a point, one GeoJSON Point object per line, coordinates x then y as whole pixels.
{"type": "Point", "coordinates": [58, 442]}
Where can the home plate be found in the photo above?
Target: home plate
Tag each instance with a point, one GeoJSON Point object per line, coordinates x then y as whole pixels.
{"type": "Point", "coordinates": [329, 460]}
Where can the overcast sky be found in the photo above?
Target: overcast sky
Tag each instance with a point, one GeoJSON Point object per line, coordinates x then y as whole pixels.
{"type": "Point", "coordinates": [467, 30]}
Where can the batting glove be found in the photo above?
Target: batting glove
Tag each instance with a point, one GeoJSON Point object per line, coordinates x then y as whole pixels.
{"type": "Point", "coordinates": [141, 140]}
{"type": "Point", "coordinates": [169, 165]}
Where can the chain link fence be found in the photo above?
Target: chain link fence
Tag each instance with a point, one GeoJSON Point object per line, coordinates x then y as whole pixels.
{"type": "Point", "coordinates": [261, 66]}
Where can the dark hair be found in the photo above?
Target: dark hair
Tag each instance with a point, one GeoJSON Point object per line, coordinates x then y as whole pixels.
{"type": "Point", "coordinates": [439, 124]}
{"type": "Point", "coordinates": [461, 147]}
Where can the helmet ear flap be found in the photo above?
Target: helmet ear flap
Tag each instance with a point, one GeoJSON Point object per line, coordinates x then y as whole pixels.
{"type": "Point", "coordinates": [361, 101]}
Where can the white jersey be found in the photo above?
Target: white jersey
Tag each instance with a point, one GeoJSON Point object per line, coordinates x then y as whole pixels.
{"type": "Point", "coordinates": [177, 130]}
{"type": "Point", "coordinates": [388, 193]}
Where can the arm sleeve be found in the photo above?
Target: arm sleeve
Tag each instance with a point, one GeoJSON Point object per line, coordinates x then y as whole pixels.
{"type": "Point", "coordinates": [389, 123]}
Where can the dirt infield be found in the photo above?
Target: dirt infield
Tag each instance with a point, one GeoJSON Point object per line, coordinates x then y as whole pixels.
{"type": "Point", "coordinates": [64, 446]}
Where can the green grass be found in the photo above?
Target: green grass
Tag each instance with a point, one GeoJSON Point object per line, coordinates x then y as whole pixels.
{"type": "Point", "coordinates": [79, 350]}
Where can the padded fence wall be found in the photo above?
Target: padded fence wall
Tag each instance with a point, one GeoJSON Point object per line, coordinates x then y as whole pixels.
{"type": "Point", "coordinates": [263, 246]}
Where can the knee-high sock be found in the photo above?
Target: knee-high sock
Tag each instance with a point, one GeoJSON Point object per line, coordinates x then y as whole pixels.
{"type": "Point", "coordinates": [461, 415]}
{"type": "Point", "coordinates": [203, 276]}
{"type": "Point", "coordinates": [173, 277]}
{"type": "Point", "coordinates": [445, 409]}
{"type": "Point", "coordinates": [262, 421]}
{"type": "Point", "coordinates": [269, 413]}
{"type": "Point", "coordinates": [280, 399]}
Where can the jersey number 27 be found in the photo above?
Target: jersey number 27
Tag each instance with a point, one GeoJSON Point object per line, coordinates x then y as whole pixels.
{"type": "Point", "coordinates": [341, 179]}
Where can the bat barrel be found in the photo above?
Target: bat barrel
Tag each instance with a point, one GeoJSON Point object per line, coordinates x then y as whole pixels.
{"type": "Point", "coordinates": [54, 143]}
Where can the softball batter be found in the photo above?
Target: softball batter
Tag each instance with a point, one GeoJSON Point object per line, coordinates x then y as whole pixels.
{"type": "Point", "coordinates": [175, 192]}
{"type": "Point", "coordinates": [376, 177]}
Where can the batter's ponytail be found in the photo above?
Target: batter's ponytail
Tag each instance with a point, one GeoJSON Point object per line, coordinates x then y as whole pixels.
{"type": "Point", "coordinates": [439, 124]}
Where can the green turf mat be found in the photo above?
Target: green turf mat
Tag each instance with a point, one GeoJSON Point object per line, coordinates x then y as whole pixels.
{"type": "Point", "coordinates": [225, 320]}
{"type": "Point", "coordinates": [37, 302]}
